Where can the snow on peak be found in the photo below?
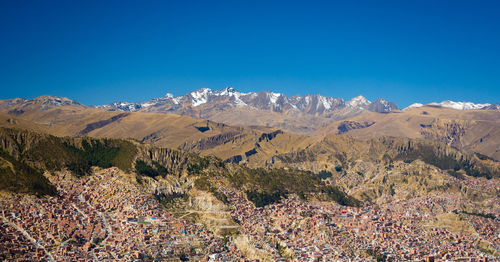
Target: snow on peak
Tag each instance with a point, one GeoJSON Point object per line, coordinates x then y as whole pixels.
{"type": "Point", "coordinates": [233, 94]}
{"type": "Point", "coordinates": [313, 104]}
{"type": "Point", "coordinates": [325, 102]}
{"type": "Point", "coordinates": [460, 105]}
{"type": "Point", "coordinates": [386, 104]}
{"type": "Point", "coordinates": [228, 91]}
{"type": "Point", "coordinates": [358, 101]}
{"type": "Point", "coordinates": [273, 97]}
{"type": "Point", "coordinates": [124, 106]}
{"type": "Point", "coordinates": [205, 95]}
{"type": "Point", "coordinates": [454, 105]}
{"type": "Point", "coordinates": [200, 96]}
{"type": "Point", "coordinates": [414, 105]}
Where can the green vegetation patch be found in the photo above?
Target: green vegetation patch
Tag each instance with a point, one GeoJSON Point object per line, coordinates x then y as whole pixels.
{"type": "Point", "coordinates": [263, 199]}
{"type": "Point", "coordinates": [325, 174]}
{"type": "Point", "coordinates": [144, 169]}
{"type": "Point", "coordinates": [103, 153]}
{"type": "Point", "coordinates": [46, 152]}
{"type": "Point", "coordinates": [490, 216]}
{"type": "Point", "coordinates": [378, 256]}
{"type": "Point", "coordinates": [277, 180]}
{"type": "Point", "coordinates": [335, 194]}
{"type": "Point", "coordinates": [265, 187]}
{"type": "Point", "coordinates": [18, 177]}
{"type": "Point", "coordinates": [198, 165]}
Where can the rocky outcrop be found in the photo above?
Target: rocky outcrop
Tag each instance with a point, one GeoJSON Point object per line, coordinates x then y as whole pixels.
{"type": "Point", "coordinates": [449, 132]}
{"type": "Point", "coordinates": [175, 161]}
{"type": "Point", "coordinates": [16, 142]}
{"type": "Point", "coordinates": [269, 136]}
{"type": "Point", "coordinates": [213, 141]}
{"type": "Point", "coordinates": [347, 125]}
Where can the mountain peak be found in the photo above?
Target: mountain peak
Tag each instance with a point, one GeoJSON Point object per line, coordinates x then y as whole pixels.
{"type": "Point", "coordinates": [381, 105]}
{"type": "Point", "coordinates": [461, 105]}
{"type": "Point", "coordinates": [273, 97]}
{"type": "Point", "coordinates": [414, 105]}
{"type": "Point", "coordinates": [229, 90]}
{"type": "Point", "coordinates": [200, 96]}
{"type": "Point", "coordinates": [55, 100]}
{"type": "Point", "coordinates": [358, 101]}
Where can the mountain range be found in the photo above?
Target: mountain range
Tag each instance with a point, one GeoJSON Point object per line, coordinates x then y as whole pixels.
{"type": "Point", "coordinates": [296, 114]}
{"type": "Point", "coordinates": [265, 100]}
{"type": "Point", "coordinates": [314, 104]}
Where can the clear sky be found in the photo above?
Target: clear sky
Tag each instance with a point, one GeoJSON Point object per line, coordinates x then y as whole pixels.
{"type": "Point", "coordinates": [97, 52]}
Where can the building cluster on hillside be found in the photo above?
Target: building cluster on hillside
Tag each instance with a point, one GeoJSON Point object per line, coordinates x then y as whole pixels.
{"type": "Point", "coordinates": [102, 218]}
{"type": "Point", "coordinates": [402, 231]}
{"type": "Point", "coordinates": [14, 245]}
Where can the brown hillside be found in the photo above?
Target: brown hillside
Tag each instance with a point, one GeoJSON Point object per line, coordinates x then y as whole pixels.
{"type": "Point", "coordinates": [472, 130]}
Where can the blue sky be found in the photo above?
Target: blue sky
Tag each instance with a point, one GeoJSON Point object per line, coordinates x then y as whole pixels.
{"type": "Point", "coordinates": [97, 52]}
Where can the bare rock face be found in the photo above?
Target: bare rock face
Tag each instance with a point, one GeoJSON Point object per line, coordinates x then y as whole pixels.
{"type": "Point", "coordinates": [174, 161]}
{"type": "Point", "coordinates": [15, 143]}
{"type": "Point", "coordinates": [213, 141]}
{"type": "Point", "coordinates": [168, 185]}
{"type": "Point", "coordinates": [449, 132]}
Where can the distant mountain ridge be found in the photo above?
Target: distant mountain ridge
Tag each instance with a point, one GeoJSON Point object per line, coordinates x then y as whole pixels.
{"type": "Point", "coordinates": [458, 105]}
{"type": "Point", "coordinates": [295, 114]}
{"type": "Point", "coordinates": [265, 100]}
{"type": "Point", "coordinates": [44, 101]}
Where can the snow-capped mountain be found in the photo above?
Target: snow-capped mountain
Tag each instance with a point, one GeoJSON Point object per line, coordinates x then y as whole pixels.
{"type": "Point", "coordinates": [229, 97]}
{"type": "Point", "coordinates": [491, 107]}
{"type": "Point", "coordinates": [414, 105]}
{"type": "Point", "coordinates": [459, 105]}
{"type": "Point", "coordinates": [382, 105]}
{"type": "Point", "coordinates": [359, 101]}
{"type": "Point", "coordinates": [123, 106]}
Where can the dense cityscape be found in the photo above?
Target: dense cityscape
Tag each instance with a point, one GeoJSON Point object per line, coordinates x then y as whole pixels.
{"type": "Point", "coordinates": [105, 217]}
